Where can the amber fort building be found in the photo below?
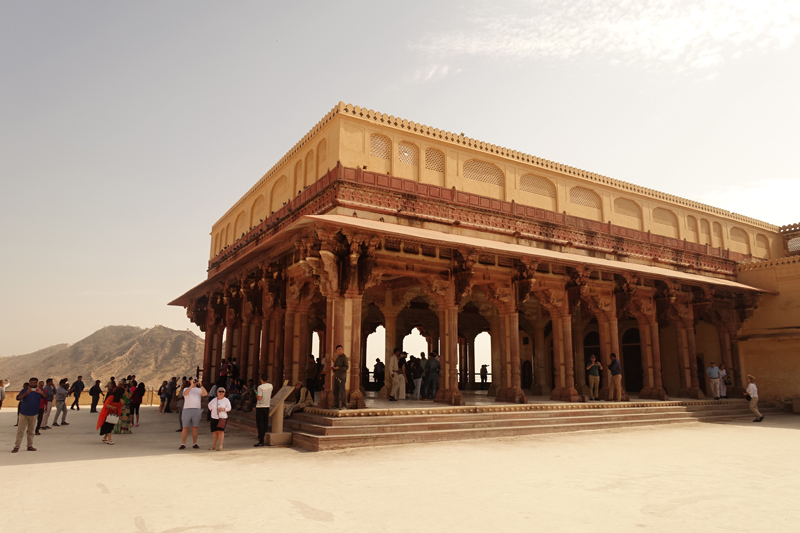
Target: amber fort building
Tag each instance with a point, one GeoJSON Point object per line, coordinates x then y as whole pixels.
{"type": "Point", "coordinates": [372, 220]}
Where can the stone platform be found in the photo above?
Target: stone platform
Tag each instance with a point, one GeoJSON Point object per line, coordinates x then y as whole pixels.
{"type": "Point", "coordinates": [404, 422]}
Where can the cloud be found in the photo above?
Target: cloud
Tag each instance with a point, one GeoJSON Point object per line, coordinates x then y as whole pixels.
{"type": "Point", "coordinates": [433, 73]}
{"type": "Point", "coordinates": [680, 35]}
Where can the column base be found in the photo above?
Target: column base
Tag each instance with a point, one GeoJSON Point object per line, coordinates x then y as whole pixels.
{"type": "Point", "coordinates": [516, 395]}
{"type": "Point", "coordinates": [585, 390]}
{"type": "Point", "coordinates": [356, 400]}
{"type": "Point", "coordinates": [492, 390]}
{"type": "Point", "coordinates": [439, 398]}
{"type": "Point", "coordinates": [325, 399]}
{"type": "Point", "coordinates": [694, 393]}
{"type": "Point", "coordinates": [653, 393]}
{"type": "Point", "coordinates": [565, 394]}
{"type": "Point", "coordinates": [453, 397]}
{"type": "Point", "coordinates": [384, 392]}
{"type": "Point", "coordinates": [501, 394]}
{"type": "Point", "coordinates": [540, 390]}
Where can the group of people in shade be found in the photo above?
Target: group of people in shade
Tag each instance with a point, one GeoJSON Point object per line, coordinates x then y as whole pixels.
{"type": "Point", "coordinates": [417, 377]}
{"type": "Point", "coordinates": [36, 400]}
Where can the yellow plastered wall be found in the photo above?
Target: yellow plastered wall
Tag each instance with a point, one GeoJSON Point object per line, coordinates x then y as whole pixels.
{"type": "Point", "coordinates": [771, 349]}
{"type": "Point", "coordinates": [412, 152]}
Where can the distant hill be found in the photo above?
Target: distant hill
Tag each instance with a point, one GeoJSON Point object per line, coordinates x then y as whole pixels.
{"type": "Point", "coordinates": [153, 354]}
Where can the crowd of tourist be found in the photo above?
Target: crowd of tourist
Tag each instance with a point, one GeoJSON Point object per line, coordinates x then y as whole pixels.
{"type": "Point", "coordinates": [37, 399]}
{"type": "Point", "coordinates": [417, 377]}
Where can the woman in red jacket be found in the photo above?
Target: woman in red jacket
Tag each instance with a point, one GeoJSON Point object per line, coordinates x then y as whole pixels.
{"type": "Point", "coordinates": [109, 414]}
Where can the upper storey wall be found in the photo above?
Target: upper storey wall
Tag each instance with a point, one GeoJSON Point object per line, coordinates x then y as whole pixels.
{"type": "Point", "coordinates": [386, 144]}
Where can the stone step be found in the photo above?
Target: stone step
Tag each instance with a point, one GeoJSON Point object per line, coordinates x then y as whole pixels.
{"type": "Point", "coordinates": [318, 429]}
{"type": "Point", "coordinates": [401, 424]}
{"type": "Point", "coordinates": [333, 442]}
{"type": "Point", "coordinates": [361, 418]}
{"type": "Point", "coordinates": [399, 427]}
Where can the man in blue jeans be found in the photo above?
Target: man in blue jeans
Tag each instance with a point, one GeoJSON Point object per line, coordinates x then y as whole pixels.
{"type": "Point", "coordinates": [29, 400]}
{"type": "Point", "coordinates": [615, 387]}
{"type": "Point", "coordinates": [76, 390]}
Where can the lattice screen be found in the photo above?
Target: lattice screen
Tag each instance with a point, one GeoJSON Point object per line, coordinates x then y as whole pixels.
{"type": "Point", "coordinates": [537, 185]}
{"type": "Point", "coordinates": [408, 153]}
{"type": "Point", "coordinates": [626, 207]}
{"type": "Point", "coordinates": [793, 245]}
{"type": "Point", "coordinates": [662, 216]}
{"type": "Point", "coordinates": [582, 196]}
{"type": "Point", "coordinates": [380, 146]}
{"type": "Point", "coordinates": [738, 235]}
{"type": "Point", "coordinates": [434, 160]}
{"type": "Point", "coordinates": [485, 172]}
{"type": "Point", "coordinates": [322, 152]}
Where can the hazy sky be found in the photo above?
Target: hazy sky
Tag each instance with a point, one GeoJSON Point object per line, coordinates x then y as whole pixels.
{"type": "Point", "coordinates": [128, 128]}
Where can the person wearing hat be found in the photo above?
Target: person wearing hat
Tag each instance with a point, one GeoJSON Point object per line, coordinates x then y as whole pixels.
{"type": "Point", "coordinates": [713, 378]}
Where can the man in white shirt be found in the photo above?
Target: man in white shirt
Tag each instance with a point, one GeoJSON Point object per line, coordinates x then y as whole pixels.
{"type": "Point", "coordinates": [752, 391]}
{"type": "Point", "coordinates": [192, 408]}
{"type": "Point", "coordinates": [263, 397]}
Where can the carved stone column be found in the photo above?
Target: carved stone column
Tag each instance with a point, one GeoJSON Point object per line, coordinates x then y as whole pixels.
{"type": "Point", "coordinates": [263, 359]}
{"type": "Point", "coordinates": [216, 359]}
{"type": "Point", "coordinates": [390, 314]}
{"type": "Point", "coordinates": [552, 296]}
{"type": "Point", "coordinates": [541, 351]}
{"type": "Point", "coordinates": [352, 346]}
{"type": "Point", "coordinates": [471, 363]}
{"type": "Point", "coordinates": [497, 363]}
{"type": "Point", "coordinates": [448, 328]}
{"type": "Point", "coordinates": [515, 393]}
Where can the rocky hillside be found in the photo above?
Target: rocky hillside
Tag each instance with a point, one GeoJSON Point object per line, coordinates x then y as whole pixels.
{"type": "Point", "coordinates": [153, 354]}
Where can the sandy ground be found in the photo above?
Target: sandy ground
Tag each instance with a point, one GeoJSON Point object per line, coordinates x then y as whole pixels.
{"type": "Point", "coordinates": [737, 476]}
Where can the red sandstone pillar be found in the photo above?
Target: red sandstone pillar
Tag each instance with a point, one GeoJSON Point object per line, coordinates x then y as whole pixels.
{"type": "Point", "coordinates": [208, 348]}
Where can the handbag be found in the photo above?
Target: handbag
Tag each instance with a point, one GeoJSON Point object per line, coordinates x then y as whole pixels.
{"type": "Point", "coordinates": [221, 423]}
{"type": "Point", "coordinates": [728, 380]}
{"type": "Point", "coordinates": [748, 397]}
{"type": "Point", "coordinates": [112, 418]}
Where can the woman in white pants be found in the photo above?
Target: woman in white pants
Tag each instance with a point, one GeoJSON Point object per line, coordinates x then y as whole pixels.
{"type": "Point", "coordinates": [752, 391]}
{"type": "Point", "coordinates": [723, 389]}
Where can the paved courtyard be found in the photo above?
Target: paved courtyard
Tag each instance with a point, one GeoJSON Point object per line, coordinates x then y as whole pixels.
{"type": "Point", "coordinates": [736, 476]}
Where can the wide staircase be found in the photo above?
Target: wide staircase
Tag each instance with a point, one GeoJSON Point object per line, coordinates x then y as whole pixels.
{"type": "Point", "coordinates": [319, 429]}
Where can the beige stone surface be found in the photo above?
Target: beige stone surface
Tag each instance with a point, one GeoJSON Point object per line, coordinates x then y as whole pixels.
{"type": "Point", "coordinates": [716, 477]}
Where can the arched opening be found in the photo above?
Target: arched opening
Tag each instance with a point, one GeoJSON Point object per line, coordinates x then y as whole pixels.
{"type": "Point", "coordinates": [708, 349]}
{"type": "Point", "coordinates": [414, 344]}
{"type": "Point", "coordinates": [376, 353]}
{"type": "Point", "coordinates": [483, 356]}
{"type": "Point", "coordinates": [632, 360]}
{"type": "Point", "coordinates": [315, 344]}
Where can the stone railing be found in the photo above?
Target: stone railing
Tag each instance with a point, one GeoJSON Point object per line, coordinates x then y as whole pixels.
{"type": "Point", "coordinates": [450, 205]}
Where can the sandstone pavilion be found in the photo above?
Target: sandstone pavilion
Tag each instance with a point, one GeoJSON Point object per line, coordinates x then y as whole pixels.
{"type": "Point", "coordinates": [372, 220]}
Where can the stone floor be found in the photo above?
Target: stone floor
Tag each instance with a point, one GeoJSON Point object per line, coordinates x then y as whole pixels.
{"type": "Point", "coordinates": [735, 476]}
